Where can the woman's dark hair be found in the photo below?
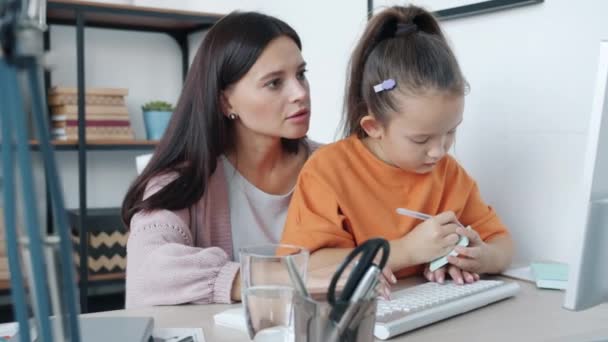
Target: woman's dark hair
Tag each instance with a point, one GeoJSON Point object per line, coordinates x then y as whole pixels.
{"type": "Point", "coordinates": [199, 132]}
{"type": "Point", "coordinates": [407, 45]}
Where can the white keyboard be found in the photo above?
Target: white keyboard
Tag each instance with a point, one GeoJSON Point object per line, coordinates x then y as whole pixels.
{"type": "Point", "coordinates": [430, 302]}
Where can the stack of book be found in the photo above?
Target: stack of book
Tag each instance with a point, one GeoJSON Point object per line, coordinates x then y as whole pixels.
{"type": "Point", "coordinates": [106, 115]}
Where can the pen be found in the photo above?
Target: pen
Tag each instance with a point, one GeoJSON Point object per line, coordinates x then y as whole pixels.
{"type": "Point", "coordinates": [441, 261]}
{"type": "Point", "coordinates": [368, 251]}
{"type": "Point", "coordinates": [295, 277]}
{"type": "Point", "coordinates": [367, 284]}
{"type": "Point", "coordinates": [418, 215]}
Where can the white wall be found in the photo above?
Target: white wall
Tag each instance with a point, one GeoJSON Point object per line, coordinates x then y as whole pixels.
{"type": "Point", "coordinates": [149, 65]}
{"type": "Point", "coordinates": [532, 72]}
{"type": "Point", "coordinates": [328, 30]}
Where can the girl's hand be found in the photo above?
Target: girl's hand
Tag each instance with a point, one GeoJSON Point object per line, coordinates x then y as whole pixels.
{"type": "Point", "coordinates": [473, 257]}
{"type": "Point", "coordinates": [459, 276]}
{"type": "Point", "coordinates": [387, 278]}
{"type": "Point", "coordinates": [432, 238]}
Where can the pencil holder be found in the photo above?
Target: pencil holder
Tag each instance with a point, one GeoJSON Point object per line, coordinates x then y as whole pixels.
{"type": "Point", "coordinates": [313, 323]}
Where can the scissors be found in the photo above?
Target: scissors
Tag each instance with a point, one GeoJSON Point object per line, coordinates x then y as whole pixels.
{"type": "Point", "coordinates": [368, 251]}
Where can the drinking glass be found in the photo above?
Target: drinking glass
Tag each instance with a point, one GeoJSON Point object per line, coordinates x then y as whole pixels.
{"type": "Point", "coordinates": [267, 289]}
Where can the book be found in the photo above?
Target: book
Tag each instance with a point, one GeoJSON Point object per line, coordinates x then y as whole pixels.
{"type": "Point", "coordinates": [94, 130]}
{"type": "Point", "coordinates": [96, 100]}
{"type": "Point", "coordinates": [93, 133]}
{"type": "Point", "coordinates": [94, 110]}
{"type": "Point", "coordinates": [92, 123]}
{"type": "Point", "coordinates": [64, 117]}
{"type": "Point", "coordinates": [550, 275]}
{"type": "Point", "coordinates": [90, 91]}
{"type": "Point", "coordinates": [93, 137]}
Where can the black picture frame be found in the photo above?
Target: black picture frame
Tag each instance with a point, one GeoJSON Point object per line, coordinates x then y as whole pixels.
{"type": "Point", "coordinates": [476, 8]}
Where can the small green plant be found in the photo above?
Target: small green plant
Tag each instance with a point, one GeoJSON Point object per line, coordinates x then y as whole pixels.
{"type": "Point", "coordinates": [158, 106]}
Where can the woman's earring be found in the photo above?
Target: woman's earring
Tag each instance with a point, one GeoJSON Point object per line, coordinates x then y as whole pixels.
{"type": "Point", "coordinates": [232, 116]}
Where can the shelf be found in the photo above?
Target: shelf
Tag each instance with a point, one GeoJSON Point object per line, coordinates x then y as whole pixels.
{"type": "Point", "coordinates": [110, 277]}
{"type": "Point", "coordinates": [94, 280]}
{"type": "Point", "coordinates": [100, 145]}
{"type": "Point", "coordinates": [131, 17]}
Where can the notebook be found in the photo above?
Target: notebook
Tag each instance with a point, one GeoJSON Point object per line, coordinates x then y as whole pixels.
{"type": "Point", "coordinates": [550, 275]}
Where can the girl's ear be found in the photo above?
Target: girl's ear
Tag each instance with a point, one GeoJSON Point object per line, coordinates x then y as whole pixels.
{"type": "Point", "coordinates": [372, 126]}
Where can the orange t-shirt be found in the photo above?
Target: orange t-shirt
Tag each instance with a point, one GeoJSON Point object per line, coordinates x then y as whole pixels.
{"type": "Point", "coordinates": [345, 196]}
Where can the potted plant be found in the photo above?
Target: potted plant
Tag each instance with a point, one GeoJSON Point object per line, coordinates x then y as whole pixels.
{"type": "Point", "coordinates": [156, 118]}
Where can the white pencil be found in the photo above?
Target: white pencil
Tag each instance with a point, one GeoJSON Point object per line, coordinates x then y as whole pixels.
{"type": "Point", "coordinates": [418, 215]}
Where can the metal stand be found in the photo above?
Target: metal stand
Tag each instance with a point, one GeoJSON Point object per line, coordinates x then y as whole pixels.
{"type": "Point", "coordinates": [53, 291]}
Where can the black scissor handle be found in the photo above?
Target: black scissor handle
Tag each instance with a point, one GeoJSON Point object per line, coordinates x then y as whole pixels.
{"type": "Point", "coordinates": [369, 249]}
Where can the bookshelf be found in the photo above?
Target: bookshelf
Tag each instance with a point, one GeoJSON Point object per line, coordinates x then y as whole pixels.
{"type": "Point", "coordinates": [123, 16]}
{"type": "Point", "coordinates": [81, 14]}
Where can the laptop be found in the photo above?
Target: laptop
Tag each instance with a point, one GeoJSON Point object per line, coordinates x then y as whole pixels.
{"type": "Point", "coordinates": [116, 329]}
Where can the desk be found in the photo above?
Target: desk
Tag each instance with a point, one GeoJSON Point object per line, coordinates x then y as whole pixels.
{"type": "Point", "coordinates": [533, 315]}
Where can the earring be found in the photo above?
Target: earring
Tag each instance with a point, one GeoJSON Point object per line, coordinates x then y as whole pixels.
{"type": "Point", "coordinates": [232, 116]}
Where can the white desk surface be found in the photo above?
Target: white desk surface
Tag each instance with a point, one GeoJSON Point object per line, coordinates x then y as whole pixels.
{"type": "Point", "coordinates": [533, 315]}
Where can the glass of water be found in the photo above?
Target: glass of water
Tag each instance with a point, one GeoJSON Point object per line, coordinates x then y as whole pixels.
{"type": "Point", "coordinates": [267, 289]}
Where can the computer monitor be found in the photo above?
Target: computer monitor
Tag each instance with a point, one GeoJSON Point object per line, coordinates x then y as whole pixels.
{"type": "Point", "coordinates": [588, 278]}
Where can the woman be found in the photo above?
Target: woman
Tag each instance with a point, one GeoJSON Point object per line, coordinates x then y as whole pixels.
{"type": "Point", "coordinates": [223, 174]}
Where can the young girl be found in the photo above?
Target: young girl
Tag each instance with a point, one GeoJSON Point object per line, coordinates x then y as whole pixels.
{"type": "Point", "coordinates": [405, 100]}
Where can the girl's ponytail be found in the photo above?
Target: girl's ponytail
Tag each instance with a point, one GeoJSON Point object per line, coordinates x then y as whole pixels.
{"type": "Point", "coordinates": [404, 44]}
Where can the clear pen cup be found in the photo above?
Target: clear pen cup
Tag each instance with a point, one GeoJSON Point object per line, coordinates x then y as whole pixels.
{"type": "Point", "coordinates": [267, 290]}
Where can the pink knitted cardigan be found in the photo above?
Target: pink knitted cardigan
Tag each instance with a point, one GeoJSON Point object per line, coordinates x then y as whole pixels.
{"type": "Point", "coordinates": [174, 257]}
{"type": "Point", "coordinates": [184, 256]}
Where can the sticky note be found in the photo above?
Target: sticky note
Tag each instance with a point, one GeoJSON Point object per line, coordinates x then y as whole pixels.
{"type": "Point", "coordinates": [550, 275]}
{"type": "Point", "coordinates": [442, 261]}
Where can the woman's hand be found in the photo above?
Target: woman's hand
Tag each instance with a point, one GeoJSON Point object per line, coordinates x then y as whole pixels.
{"type": "Point", "coordinates": [235, 293]}
{"type": "Point", "coordinates": [459, 276]}
{"type": "Point", "coordinates": [472, 258]}
{"type": "Point", "coordinates": [432, 238]}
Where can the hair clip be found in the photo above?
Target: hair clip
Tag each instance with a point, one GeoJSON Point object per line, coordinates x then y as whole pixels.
{"type": "Point", "coordinates": [387, 84]}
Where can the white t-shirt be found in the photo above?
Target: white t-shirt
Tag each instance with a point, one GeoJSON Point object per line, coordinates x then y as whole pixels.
{"type": "Point", "coordinates": [256, 217]}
